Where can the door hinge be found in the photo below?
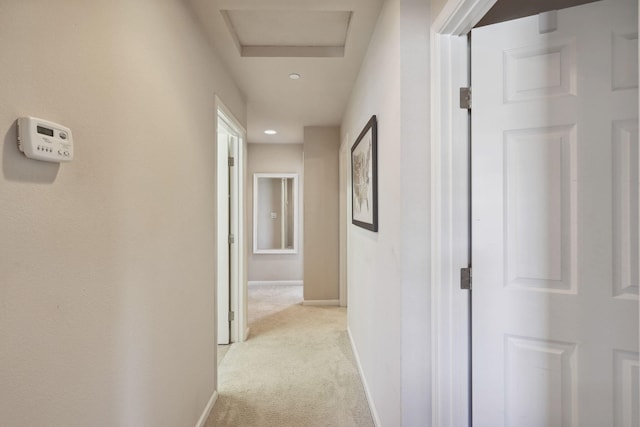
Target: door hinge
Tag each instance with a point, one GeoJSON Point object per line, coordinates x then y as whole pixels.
{"type": "Point", "coordinates": [232, 161]}
{"type": "Point", "coordinates": [232, 239]}
{"type": "Point", "coordinates": [465, 278]}
{"type": "Point", "coordinates": [232, 316]}
{"type": "Point", "coordinates": [465, 98]}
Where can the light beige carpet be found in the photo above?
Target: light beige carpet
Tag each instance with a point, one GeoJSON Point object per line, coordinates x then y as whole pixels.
{"type": "Point", "coordinates": [296, 368]}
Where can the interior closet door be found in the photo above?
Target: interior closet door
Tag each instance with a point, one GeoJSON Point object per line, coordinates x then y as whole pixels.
{"type": "Point", "coordinates": [555, 220]}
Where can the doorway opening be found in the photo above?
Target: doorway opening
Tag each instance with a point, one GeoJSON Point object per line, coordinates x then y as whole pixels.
{"type": "Point", "coordinates": [275, 174]}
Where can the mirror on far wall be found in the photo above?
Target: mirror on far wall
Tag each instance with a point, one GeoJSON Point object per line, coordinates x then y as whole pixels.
{"type": "Point", "coordinates": [275, 213]}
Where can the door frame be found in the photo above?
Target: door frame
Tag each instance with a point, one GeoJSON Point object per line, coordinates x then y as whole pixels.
{"type": "Point", "coordinates": [239, 328]}
{"type": "Point", "coordinates": [451, 330]}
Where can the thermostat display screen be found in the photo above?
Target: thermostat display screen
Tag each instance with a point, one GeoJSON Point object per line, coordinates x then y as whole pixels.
{"type": "Point", "coordinates": [45, 131]}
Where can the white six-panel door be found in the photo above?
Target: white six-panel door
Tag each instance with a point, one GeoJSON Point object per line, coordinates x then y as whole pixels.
{"type": "Point", "coordinates": [555, 220]}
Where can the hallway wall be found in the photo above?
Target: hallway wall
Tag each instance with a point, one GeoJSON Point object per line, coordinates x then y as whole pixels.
{"type": "Point", "coordinates": [106, 263]}
{"type": "Point", "coordinates": [437, 6]}
{"type": "Point", "coordinates": [275, 158]}
{"type": "Point", "coordinates": [321, 214]}
{"type": "Point", "coordinates": [388, 271]}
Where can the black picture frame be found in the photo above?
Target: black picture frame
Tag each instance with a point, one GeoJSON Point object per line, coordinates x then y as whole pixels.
{"type": "Point", "coordinates": [364, 177]}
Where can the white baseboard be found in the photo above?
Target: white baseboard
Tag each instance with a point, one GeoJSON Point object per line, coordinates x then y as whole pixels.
{"type": "Point", "coordinates": [331, 302]}
{"type": "Point", "coordinates": [246, 334]}
{"type": "Point", "coordinates": [372, 407]}
{"type": "Point", "coordinates": [207, 410]}
{"type": "Point", "coordinates": [274, 282]}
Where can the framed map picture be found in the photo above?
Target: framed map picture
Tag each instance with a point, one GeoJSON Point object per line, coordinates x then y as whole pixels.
{"type": "Point", "coordinates": [364, 177]}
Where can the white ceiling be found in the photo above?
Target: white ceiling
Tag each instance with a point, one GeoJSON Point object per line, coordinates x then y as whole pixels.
{"type": "Point", "coordinates": [263, 41]}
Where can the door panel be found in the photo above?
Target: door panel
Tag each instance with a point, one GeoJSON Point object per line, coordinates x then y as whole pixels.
{"type": "Point", "coordinates": [555, 220]}
{"type": "Point", "coordinates": [625, 208]}
{"type": "Point", "coordinates": [536, 178]}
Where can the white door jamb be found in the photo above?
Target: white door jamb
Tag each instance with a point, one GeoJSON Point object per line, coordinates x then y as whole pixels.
{"type": "Point", "coordinates": [239, 324]}
{"type": "Point", "coordinates": [450, 209]}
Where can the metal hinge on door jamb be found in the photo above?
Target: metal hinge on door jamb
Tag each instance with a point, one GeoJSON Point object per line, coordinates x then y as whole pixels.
{"type": "Point", "coordinates": [232, 161]}
{"type": "Point", "coordinates": [465, 98]}
{"type": "Point", "coordinates": [232, 239]}
{"type": "Point", "coordinates": [232, 316]}
{"type": "Point", "coordinates": [465, 278]}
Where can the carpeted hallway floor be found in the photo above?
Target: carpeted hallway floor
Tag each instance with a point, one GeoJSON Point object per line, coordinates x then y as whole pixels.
{"type": "Point", "coordinates": [296, 368]}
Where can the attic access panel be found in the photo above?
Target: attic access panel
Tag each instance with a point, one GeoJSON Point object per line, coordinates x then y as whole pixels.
{"type": "Point", "coordinates": [286, 33]}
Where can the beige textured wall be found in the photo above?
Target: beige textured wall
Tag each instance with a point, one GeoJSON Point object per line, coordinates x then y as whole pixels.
{"type": "Point", "coordinates": [106, 263]}
{"type": "Point", "coordinates": [437, 6]}
{"type": "Point", "coordinates": [273, 158]}
{"type": "Point", "coordinates": [321, 213]}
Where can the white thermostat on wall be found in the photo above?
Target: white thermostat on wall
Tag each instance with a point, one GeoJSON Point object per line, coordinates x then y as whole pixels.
{"type": "Point", "coordinates": [43, 140]}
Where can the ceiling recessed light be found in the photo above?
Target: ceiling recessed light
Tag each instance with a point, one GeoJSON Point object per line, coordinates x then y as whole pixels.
{"type": "Point", "coordinates": [270, 132]}
{"type": "Point", "coordinates": [294, 76]}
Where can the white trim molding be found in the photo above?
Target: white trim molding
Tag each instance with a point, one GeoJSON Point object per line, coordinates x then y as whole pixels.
{"type": "Point", "coordinates": [322, 302]}
{"type": "Point", "coordinates": [449, 245]}
{"type": "Point", "coordinates": [275, 283]}
{"type": "Point", "coordinates": [450, 211]}
{"type": "Point", "coordinates": [207, 410]}
{"type": "Point", "coordinates": [459, 16]}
